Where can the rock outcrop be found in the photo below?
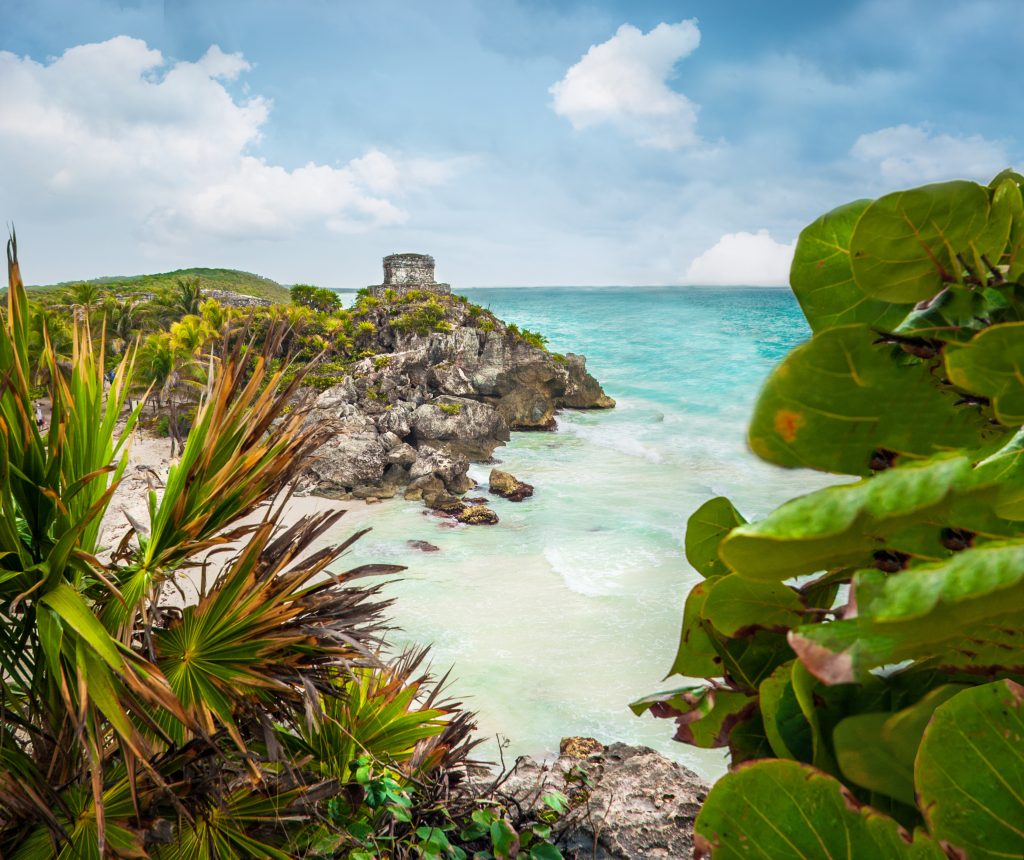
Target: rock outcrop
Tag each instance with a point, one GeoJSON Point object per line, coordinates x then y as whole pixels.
{"type": "Point", "coordinates": [508, 486]}
{"type": "Point", "coordinates": [430, 400]}
{"type": "Point", "coordinates": [625, 802]}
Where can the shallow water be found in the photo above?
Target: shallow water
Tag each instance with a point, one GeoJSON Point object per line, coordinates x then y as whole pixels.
{"type": "Point", "coordinates": [558, 617]}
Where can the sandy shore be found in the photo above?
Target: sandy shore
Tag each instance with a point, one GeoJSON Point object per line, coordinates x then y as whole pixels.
{"type": "Point", "coordinates": [148, 462]}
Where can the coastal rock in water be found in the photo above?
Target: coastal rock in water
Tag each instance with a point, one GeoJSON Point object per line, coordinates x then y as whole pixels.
{"type": "Point", "coordinates": [477, 515]}
{"type": "Point", "coordinates": [472, 429]}
{"type": "Point", "coordinates": [508, 486]}
{"type": "Point", "coordinates": [582, 390]}
{"type": "Point", "coordinates": [639, 804]}
{"type": "Point", "coordinates": [423, 546]}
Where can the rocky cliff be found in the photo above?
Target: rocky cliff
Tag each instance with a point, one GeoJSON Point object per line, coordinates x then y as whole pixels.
{"type": "Point", "coordinates": [441, 383]}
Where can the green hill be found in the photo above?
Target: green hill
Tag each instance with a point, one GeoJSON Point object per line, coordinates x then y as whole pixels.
{"type": "Point", "coordinates": [245, 283]}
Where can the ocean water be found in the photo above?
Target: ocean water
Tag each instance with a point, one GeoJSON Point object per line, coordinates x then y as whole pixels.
{"type": "Point", "coordinates": [567, 610]}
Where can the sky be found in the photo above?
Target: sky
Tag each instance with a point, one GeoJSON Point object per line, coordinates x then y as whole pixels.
{"type": "Point", "coordinates": [520, 142]}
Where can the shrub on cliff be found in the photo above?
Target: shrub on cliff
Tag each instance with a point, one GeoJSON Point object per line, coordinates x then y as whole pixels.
{"type": "Point", "coordinates": [316, 298]}
{"type": "Point", "coordinates": [863, 646]}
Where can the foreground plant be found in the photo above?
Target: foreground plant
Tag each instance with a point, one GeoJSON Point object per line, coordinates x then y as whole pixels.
{"type": "Point", "coordinates": [138, 723]}
{"type": "Point", "coordinates": [863, 646]}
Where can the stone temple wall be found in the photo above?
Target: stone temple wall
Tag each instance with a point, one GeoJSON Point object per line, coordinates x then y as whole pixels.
{"type": "Point", "coordinates": [405, 272]}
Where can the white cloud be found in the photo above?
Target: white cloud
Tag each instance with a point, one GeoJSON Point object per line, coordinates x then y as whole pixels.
{"type": "Point", "coordinates": [909, 154]}
{"type": "Point", "coordinates": [747, 259]}
{"type": "Point", "coordinates": [623, 82]}
{"type": "Point", "coordinates": [114, 127]}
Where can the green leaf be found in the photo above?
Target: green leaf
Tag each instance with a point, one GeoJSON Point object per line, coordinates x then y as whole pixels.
{"type": "Point", "coordinates": [970, 771]}
{"type": "Point", "coordinates": [704, 715]}
{"type": "Point", "coordinates": [697, 656]}
{"type": "Point", "coordinates": [842, 525]}
{"type": "Point", "coordinates": [958, 313]}
{"type": "Point", "coordinates": [545, 852]}
{"type": "Point", "coordinates": [822, 278]}
{"type": "Point", "coordinates": [504, 840]}
{"type": "Point", "coordinates": [734, 604]}
{"type": "Point", "coordinates": [992, 365]}
{"type": "Point", "coordinates": [783, 809]}
{"type": "Point", "coordinates": [877, 750]}
{"type": "Point", "coordinates": [916, 613]}
{"type": "Point", "coordinates": [705, 529]}
{"type": "Point", "coordinates": [904, 246]}
{"type": "Point", "coordinates": [838, 399]}
{"type": "Point", "coordinates": [69, 605]}
{"type": "Point", "coordinates": [785, 725]}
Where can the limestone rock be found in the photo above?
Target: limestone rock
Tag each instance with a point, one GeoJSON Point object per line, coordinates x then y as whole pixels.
{"type": "Point", "coordinates": [473, 429]}
{"type": "Point", "coordinates": [639, 803]}
{"type": "Point", "coordinates": [345, 462]}
{"type": "Point", "coordinates": [477, 515]}
{"type": "Point", "coordinates": [579, 747]}
{"type": "Point", "coordinates": [441, 463]}
{"type": "Point", "coordinates": [402, 455]}
{"type": "Point", "coordinates": [508, 486]}
{"type": "Point", "coordinates": [423, 546]}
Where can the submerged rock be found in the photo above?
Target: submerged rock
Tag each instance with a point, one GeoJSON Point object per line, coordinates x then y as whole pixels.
{"type": "Point", "coordinates": [509, 486]}
{"type": "Point", "coordinates": [423, 546]}
{"type": "Point", "coordinates": [477, 515]}
{"type": "Point", "coordinates": [633, 802]}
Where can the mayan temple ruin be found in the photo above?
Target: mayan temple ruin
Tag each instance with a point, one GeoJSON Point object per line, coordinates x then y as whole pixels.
{"type": "Point", "coordinates": [406, 272]}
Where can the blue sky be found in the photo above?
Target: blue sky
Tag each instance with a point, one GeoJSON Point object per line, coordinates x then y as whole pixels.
{"type": "Point", "coordinates": [523, 142]}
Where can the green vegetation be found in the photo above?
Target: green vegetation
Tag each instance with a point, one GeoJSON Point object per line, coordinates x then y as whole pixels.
{"type": "Point", "coordinates": [256, 717]}
{"type": "Point", "coordinates": [450, 408]}
{"type": "Point", "coordinates": [316, 298]}
{"type": "Point", "coordinates": [231, 280]}
{"type": "Point", "coordinates": [863, 646]}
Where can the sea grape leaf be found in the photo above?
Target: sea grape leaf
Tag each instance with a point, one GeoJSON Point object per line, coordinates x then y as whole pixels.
{"type": "Point", "coordinates": [842, 525]}
{"type": "Point", "coordinates": [992, 364]}
{"type": "Point", "coordinates": [704, 715]}
{"type": "Point", "coordinates": [1005, 468]}
{"type": "Point", "coordinates": [839, 398]}
{"type": "Point", "coordinates": [747, 660]}
{"type": "Point", "coordinates": [957, 313]}
{"type": "Point", "coordinates": [822, 279]}
{"type": "Point", "coordinates": [734, 603]}
{"type": "Point", "coordinates": [705, 529]}
{"type": "Point", "coordinates": [779, 808]}
{"type": "Point", "coordinates": [747, 739]}
{"type": "Point", "coordinates": [969, 771]}
{"type": "Point", "coordinates": [917, 613]}
{"type": "Point", "coordinates": [904, 245]}
{"type": "Point", "coordinates": [785, 725]}
{"type": "Point", "coordinates": [696, 656]}
{"type": "Point", "coordinates": [989, 648]}
{"type": "Point", "coordinates": [877, 750]}
{"type": "Point", "coordinates": [1013, 258]}
{"type": "Point", "coordinates": [1004, 206]}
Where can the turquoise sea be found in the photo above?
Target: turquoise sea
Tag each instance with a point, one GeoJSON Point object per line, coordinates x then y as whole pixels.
{"type": "Point", "coordinates": [558, 617]}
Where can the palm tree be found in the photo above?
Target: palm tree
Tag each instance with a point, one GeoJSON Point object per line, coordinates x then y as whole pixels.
{"type": "Point", "coordinates": [133, 726]}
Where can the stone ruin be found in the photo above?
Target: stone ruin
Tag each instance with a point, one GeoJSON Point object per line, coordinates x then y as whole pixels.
{"type": "Point", "coordinates": [406, 272]}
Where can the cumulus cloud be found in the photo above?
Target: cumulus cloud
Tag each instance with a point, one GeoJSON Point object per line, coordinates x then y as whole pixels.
{"type": "Point", "coordinates": [114, 126]}
{"type": "Point", "coordinates": [743, 259]}
{"type": "Point", "coordinates": [624, 82]}
{"type": "Point", "coordinates": [910, 153]}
